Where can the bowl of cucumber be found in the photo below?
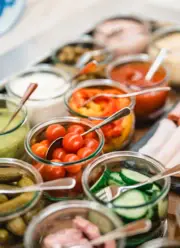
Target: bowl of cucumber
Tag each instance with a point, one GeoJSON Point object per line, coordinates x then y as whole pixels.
{"type": "Point", "coordinates": [128, 168]}
{"type": "Point", "coordinates": [58, 222]}
{"type": "Point", "coordinates": [16, 210]}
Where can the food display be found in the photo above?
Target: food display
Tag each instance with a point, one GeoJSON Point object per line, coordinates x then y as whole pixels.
{"type": "Point", "coordinates": [65, 222]}
{"type": "Point", "coordinates": [131, 71]}
{"type": "Point", "coordinates": [168, 38]}
{"type": "Point", "coordinates": [16, 210]}
{"type": "Point", "coordinates": [124, 35]}
{"type": "Point", "coordinates": [12, 139]}
{"type": "Point", "coordinates": [47, 101]}
{"type": "Point", "coordinates": [118, 133]}
{"type": "Point", "coordinates": [57, 148]}
{"type": "Point", "coordinates": [69, 159]}
{"type": "Point", "coordinates": [149, 201]}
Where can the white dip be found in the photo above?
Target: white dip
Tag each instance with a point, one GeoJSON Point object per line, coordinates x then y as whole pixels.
{"type": "Point", "coordinates": [47, 100]}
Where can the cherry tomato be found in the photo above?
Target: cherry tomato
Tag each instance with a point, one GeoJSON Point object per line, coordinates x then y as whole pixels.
{"type": "Point", "coordinates": [39, 149]}
{"type": "Point", "coordinates": [54, 172]}
{"type": "Point", "coordinates": [116, 131]}
{"type": "Point", "coordinates": [45, 142]}
{"type": "Point", "coordinates": [55, 131]}
{"type": "Point", "coordinates": [91, 143]}
{"type": "Point", "coordinates": [59, 153]}
{"type": "Point", "coordinates": [84, 152]}
{"type": "Point", "coordinates": [72, 142]}
{"type": "Point", "coordinates": [75, 128]}
{"type": "Point", "coordinates": [90, 135]}
{"type": "Point", "coordinates": [40, 168]}
{"type": "Point", "coordinates": [71, 158]}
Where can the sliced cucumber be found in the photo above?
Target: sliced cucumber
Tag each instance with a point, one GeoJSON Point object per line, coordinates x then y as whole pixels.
{"type": "Point", "coordinates": [150, 213]}
{"type": "Point", "coordinates": [101, 182]}
{"type": "Point", "coordinates": [131, 198]}
{"type": "Point", "coordinates": [133, 177]}
{"type": "Point", "coordinates": [115, 179]}
{"type": "Point", "coordinates": [154, 190]}
{"type": "Point", "coordinates": [163, 208]}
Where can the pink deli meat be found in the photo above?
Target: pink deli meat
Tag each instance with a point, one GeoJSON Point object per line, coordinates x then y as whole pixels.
{"type": "Point", "coordinates": [163, 133]}
{"type": "Point", "coordinates": [76, 236]}
{"type": "Point", "coordinates": [170, 148]}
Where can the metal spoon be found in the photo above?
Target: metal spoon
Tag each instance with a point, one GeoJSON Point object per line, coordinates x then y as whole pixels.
{"type": "Point", "coordinates": [135, 228]}
{"type": "Point", "coordinates": [31, 88]}
{"type": "Point", "coordinates": [155, 65]}
{"type": "Point", "coordinates": [63, 183]}
{"type": "Point", "coordinates": [136, 93]}
{"type": "Point", "coordinates": [90, 67]}
{"type": "Point", "coordinates": [58, 142]}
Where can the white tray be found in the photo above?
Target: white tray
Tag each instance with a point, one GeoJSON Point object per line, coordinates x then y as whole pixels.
{"type": "Point", "coordinates": [38, 48]}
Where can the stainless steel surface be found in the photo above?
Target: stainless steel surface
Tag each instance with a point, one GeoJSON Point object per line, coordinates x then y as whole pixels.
{"type": "Point", "coordinates": [38, 48]}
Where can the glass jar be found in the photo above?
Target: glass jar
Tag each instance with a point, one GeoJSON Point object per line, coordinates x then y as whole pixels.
{"type": "Point", "coordinates": [116, 140]}
{"type": "Point", "coordinates": [156, 205]}
{"type": "Point", "coordinates": [168, 38]}
{"type": "Point", "coordinates": [47, 100]}
{"type": "Point", "coordinates": [123, 34]}
{"type": "Point", "coordinates": [59, 216]}
{"type": "Point", "coordinates": [148, 106]}
{"type": "Point", "coordinates": [37, 134]}
{"type": "Point", "coordinates": [17, 210]}
{"type": "Point", "coordinates": [161, 243]}
{"type": "Point", "coordinates": [12, 139]}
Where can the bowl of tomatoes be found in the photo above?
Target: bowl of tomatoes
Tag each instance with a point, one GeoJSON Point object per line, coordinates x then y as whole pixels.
{"type": "Point", "coordinates": [68, 160]}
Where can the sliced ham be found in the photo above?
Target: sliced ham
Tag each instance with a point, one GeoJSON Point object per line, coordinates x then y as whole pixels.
{"type": "Point", "coordinates": [110, 244]}
{"type": "Point", "coordinates": [174, 115]}
{"type": "Point", "coordinates": [88, 228]}
{"type": "Point", "coordinates": [174, 161]}
{"type": "Point", "coordinates": [63, 237]}
{"type": "Point", "coordinates": [164, 131]}
{"type": "Point", "coordinates": [170, 148]}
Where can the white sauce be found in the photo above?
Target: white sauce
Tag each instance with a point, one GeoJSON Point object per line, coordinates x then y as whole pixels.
{"type": "Point", "coordinates": [47, 101]}
{"type": "Point", "coordinates": [49, 85]}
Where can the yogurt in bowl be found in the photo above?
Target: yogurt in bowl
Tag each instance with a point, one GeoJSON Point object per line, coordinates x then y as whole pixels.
{"type": "Point", "coordinates": [47, 101]}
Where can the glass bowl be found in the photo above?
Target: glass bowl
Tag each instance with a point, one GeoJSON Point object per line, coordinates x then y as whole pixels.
{"type": "Point", "coordinates": [113, 33]}
{"type": "Point", "coordinates": [12, 139]}
{"type": "Point", "coordinates": [161, 243]}
{"type": "Point", "coordinates": [59, 216]}
{"type": "Point", "coordinates": [43, 104]}
{"type": "Point", "coordinates": [37, 134]}
{"type": "Point", "coordinates": [117, 140]}
{"type": "Point", "coordinates": [162, 38]}
{"type": "Point", "coordinates": [156, 206]}
{"type": "Point", "coordinates": [148, 106]}
{"type": "Point", "coordinates": [16, 213]}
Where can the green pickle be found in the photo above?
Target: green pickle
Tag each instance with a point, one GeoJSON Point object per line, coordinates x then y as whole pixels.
{"type": "Point", "coordinates": [12, 230]}
{"type": "Point", "coordinates": [8, 175]}
{"type": "Point", "coordinates": [4, 236]}
{"type": "Point", "coordinates": [17, 226]}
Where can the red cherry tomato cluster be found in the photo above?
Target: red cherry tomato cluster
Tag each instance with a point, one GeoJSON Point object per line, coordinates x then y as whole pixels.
{"type": "Point", "coordinates": [74, 148]}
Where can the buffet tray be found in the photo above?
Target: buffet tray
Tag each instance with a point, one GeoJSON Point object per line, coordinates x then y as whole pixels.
{"type": "Point", "coordinates": [40, 47]}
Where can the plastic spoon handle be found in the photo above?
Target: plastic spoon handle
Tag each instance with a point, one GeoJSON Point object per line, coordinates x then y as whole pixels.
{"type": "Point", "coordinates": [63, 183]}
{"type": "Point", "coordinates": [119, 114]}
{"type": "Point", "coordinates": [157, 62]}
{"type": "Point", "coordinates": [134, 228]}
{"type": "Point", "coordinates": [31, 88]}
